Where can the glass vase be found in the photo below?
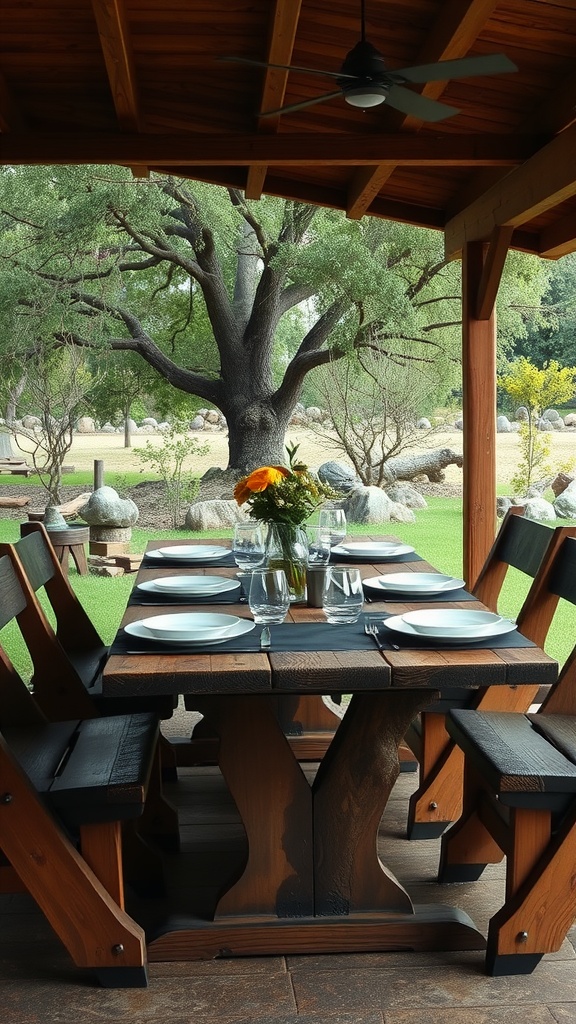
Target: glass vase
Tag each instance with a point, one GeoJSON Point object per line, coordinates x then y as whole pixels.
{"type": "Point", "coordinates": [287, 548]}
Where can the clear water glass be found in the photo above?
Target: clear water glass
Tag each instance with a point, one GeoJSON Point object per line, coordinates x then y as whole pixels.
{"type": "Point", "coordinates": [269, 596]}
{"type": "Point", "coordinates": [333, 520]}
{"type": "Point", "coordinates": [318, 545]}
{"type": "Point", "coordinates": [248, 546]}
{"type": "Point", "coordinates": [343, 596]}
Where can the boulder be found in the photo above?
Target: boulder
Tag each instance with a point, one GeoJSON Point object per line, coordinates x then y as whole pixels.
{"type": "Point", "coordinates": [545, 425]}
{"type": "Point", "coordinates": [198, 423]}
{"type": "Point", "coordinates": [105, 507]}
{"type": "Point", "coordinates": [565, 504]}
{"type": "Point", "coordinates": [85, 425]}
{"type": "Point", "coordinates": [570, 420]}
{"type": "Point", "coordinates": [551, 414]}
{"type": "Point", "coordinates": [540, 509]}
{"type": "Point", "coordinates": [424, 424]}
{"type": "Point", "coordinates": [406, 494]}
{"type": "Point", "coordinates": [132, 427]}
{"type": "Point", "coordinates": [149, 422]}
{"type": "Point", "coordinates": [502, 506]}
{"type": "Point", "coordinates": [31, 422]}
{"type": "Point", "coordinates": [372, 505]}
{"type": "Point", "coordinates": [314, 414]}
{"type": "Point", "coordinates": [459, 424]}
{"type": "Point", "coordinates": [212, 416]}
{"type": "Point", "coordinates": [108, 428]}
{"type": "Point", "coordinates": [503, 425]}
{"type": "Point", "coordinates": [522, 414]}
{"type": "Point", "coordinates": [214, 515]}
{"type": "Point", "coordinates": [338, 476]}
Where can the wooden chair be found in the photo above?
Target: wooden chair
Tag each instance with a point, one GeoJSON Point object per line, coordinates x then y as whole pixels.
{"type": "Point", "coordinates": [524, 545]}
{"type": "Point", "coordinates": [68, 789]}
{"type": "Point", "coordinates": [520, 801]}
{"type": "Point", "coordinates": [67, 663]}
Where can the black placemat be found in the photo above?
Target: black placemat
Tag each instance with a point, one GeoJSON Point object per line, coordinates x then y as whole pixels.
{"type": "Point", "coordinates": [313, 636]}
{"type": "Point", "coordinates": [400, 598]}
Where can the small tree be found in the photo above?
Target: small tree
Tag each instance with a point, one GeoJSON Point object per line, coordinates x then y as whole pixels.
{"type": "Point", "coordinates": [536, 390]}
{"type": "Point", "coordinates": [168, 461]}
{"type": "Point", "coordinates": [374, 404]}
{"type": "Point", "coordinates": [57, 384]}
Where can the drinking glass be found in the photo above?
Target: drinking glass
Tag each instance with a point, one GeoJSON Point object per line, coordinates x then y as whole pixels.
{"type": "Point", "coordinates": [269, 596]}
{"type": "Point", "coordinates": [248, 546]}
{"type": "Point", "coordinates": [343, 595]}
{"type": "Point", "coordinates": [318, 545]}
{"type": "Point", "coordinates": [333, 520]}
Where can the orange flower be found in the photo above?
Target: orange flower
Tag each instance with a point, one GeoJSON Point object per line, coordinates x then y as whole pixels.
{"type": "Point", "coordinates": [259, 480]}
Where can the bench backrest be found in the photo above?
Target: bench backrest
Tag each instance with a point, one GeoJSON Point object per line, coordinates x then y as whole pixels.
{"type": "Point", "coordinates": [520, 543]}
{"type": "Point", "coordinates": [17, 705]}
{"type": "Point", "coordinates": [561, 583]}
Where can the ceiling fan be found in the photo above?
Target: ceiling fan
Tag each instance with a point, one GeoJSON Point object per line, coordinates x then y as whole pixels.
{"type": "Point", "coordinates": [364, 81]}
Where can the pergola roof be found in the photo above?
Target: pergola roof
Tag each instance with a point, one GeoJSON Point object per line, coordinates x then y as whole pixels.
{"type": "Point", "coordinates": [141, 83]}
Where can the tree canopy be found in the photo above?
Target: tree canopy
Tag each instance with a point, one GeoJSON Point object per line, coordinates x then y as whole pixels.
{"type": "Point", "coordinates": [232, 301]}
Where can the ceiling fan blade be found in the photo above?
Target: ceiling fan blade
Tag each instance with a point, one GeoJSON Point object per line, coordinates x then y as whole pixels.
{"type": "Point", "coordinates": [283, 67]}
{"type": "Point", "coordinates": [418, 106]}
{"type": "Point", "coordinates": [300, 106]}
{"type": "Point", "coordinates": [466, 67]}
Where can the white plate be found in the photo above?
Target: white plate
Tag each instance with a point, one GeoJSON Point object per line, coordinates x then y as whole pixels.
{"type": "Point", "coordinates": [397, 624]}
{"type": "Point", "coordinates": [372, 551]}
{"type": "Point", "coordinates": [189, 625]}
{"type": "Point", "coordinates": [451, 621]}
{"type": "Point", "coordinates": [414, 583]}
{"type": "Point", "coordinates": [189, 552]}
{"type": "Point", "coordinates": [193, 585]}
{"type": "Point", "coordinates": [243, 626]}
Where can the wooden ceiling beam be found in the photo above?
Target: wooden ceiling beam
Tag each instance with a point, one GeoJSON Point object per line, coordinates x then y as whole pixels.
{"type": "Point", "coordinates": [10, 118]}
{"type": "Point", "coordinates": [114, 36]}
{"type": "Point", "coordinates": [547, 179]}
{"type": "Point", "coordinates": [280, 48]}
{"type": "Point", "coordinates": [454, 32]}
{"type": "Point", "coordinates": [299, 150]}
{"type": "Point", "coordinates": [559, 239]}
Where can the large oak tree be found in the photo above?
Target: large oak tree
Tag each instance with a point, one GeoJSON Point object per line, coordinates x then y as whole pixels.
{"type": "Point", "coordinates": [231, 301]}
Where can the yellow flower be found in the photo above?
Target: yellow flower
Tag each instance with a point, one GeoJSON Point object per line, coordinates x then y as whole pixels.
{"type": "Point", "coordinates": [259, 480]}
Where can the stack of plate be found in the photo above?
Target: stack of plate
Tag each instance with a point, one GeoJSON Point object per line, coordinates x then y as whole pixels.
{"type": "Point", "coordinates": [372, 551]}
{"type": "Point", "coordinates": [190, 628]}
{"type": "Point", "coordinates": [195, 586]}
{"type": "Point", "coordinates": [451, 626]}
{"type": "Point", "coordinates": [413, 583]}
{"type": "Point", "coordinates": [190, 552]}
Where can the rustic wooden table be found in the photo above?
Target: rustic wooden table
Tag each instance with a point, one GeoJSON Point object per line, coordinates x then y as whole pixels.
{"type": "Point", "coordinates": [312, 881]}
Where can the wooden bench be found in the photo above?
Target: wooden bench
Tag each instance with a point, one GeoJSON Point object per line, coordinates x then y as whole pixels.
{"type": "Point", "coordinates": [71, 793]}
{"type": "Point", "coordinates": [529, 547]}
{"type": "Point", "coordinates": [520, 801]}
{"type": "Point", "coordinates": [15, 467]}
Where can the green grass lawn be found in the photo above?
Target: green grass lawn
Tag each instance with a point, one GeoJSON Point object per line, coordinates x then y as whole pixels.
{"type": "Point", "coordinates": [436, 535]}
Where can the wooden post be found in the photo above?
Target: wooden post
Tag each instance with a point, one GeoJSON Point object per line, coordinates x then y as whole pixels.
{"type": "Point", "coordinates": [479, 414]}
{"type": "Point", "coordinates": [98, 473]}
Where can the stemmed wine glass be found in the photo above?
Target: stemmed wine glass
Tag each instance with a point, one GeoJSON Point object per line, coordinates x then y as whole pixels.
{"type": "Point", "coordinates": [333, 520]}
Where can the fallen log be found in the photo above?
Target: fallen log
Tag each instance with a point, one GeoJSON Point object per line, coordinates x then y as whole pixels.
{"type": "Point", "coordinates": [15, 502]}
{"type": "Point", "coordinates": [429, 463]}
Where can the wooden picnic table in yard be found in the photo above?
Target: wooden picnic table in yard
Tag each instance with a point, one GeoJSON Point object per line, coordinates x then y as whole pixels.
{"type": "Point", "coordinates": [311, 880]}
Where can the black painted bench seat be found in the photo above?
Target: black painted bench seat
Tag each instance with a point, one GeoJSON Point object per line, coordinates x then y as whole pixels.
{"type": "Point", "coordinates": [90, 771]}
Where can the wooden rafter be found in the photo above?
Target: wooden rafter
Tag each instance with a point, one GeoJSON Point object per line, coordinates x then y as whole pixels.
{"type": "Point", "coordinates": [280, 47]}
{"type": "Point", "coordinates": [541, 183]}
{"type": "Point", "coordinates": [494, 260]}
{"type": "Point", "coordinates": [303, 150]}
{"type": "Point", "coordinates": [452, 36]}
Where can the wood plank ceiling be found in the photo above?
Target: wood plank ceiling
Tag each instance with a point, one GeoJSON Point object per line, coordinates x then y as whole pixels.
{"type": "Point", "coordinates": [142, 83]}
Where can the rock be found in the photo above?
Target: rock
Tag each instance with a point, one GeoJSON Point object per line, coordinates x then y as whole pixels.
{"type": "Point", "coordinates": [163, 427]}
{"type": "Point", "coordinates": [212, 416]}
{"type": "Point", "coordinates": [203, 413]}
{"type": "Point", "coordinates": [314, 414]}
{"type": "Point", "coordinates": [214, 515]}
{"type": "Point", "coordinates": [150, 422]}
{"type": "Point", "coordinates": [198, 423]}
{"type": "Point", "coordinates": [459, 424]}
{"type": "Point", "coordinates": [502, 506]}
{"type": "Point", "coordinates": [111, 534]}
{"type": "Point", "coordinates": [502, 425]}
{"type": "Point", "coordinates": [147, 428]}
{"type": "Point", "coordinates": [298, 419]}
{"type": "Point", "coordinates": [404, 492]}
{"type": "Point", "coordinates": [561, 482]}
{"type": "Point", "coordinates": [372, 505]}
{"type": "Point", "coordinates": [565, 504]}
{"type": "Point", "coordinates": [570, 420]}
{"type": "Point", "coordinates": [106, 508]}
{"type": "Point", "coordinates": [424, 424]}
{"type": "Point", "coordinates": [540, 509]}
{"type": "Point", "coordinates": [558, 424]}
{"type": "Point", "coordinates": [338, 476]}
{"type": "Point", "coordinates": [522, 414]}
{"type": "Point", "coordinates": [85, 425]}
{"type": "Point", "coordinates": [132, 427]}
{"type": "Point", "coordinates": [551, 414]}
{"type": "Point", "coordinates": [31, 422]}
{"type": "Point", "coordinates": [108, 428]}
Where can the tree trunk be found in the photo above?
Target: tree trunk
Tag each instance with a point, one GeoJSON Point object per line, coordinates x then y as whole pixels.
{"type": "Point", "coordinates": [430, 464]}
{"type": "Point", "coordinates": [256, 436]}
{"type": "Point", "coordinates": [5, 445]}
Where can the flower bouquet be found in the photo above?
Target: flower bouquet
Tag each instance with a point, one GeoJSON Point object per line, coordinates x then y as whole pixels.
{"type": "Point", "coordinates": [284, 497]}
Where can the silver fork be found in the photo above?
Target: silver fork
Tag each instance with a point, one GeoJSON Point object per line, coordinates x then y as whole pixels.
{"type": "Point", "coordinates": [371, 629]}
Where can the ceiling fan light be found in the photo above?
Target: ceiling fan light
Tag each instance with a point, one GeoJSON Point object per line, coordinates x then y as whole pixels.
{"type": "Point", "coordinates": [365, 96]}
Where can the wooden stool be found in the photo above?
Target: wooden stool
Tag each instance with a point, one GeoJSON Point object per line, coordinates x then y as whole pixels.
{"type": "Point", "coordinates": [70, 541]}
